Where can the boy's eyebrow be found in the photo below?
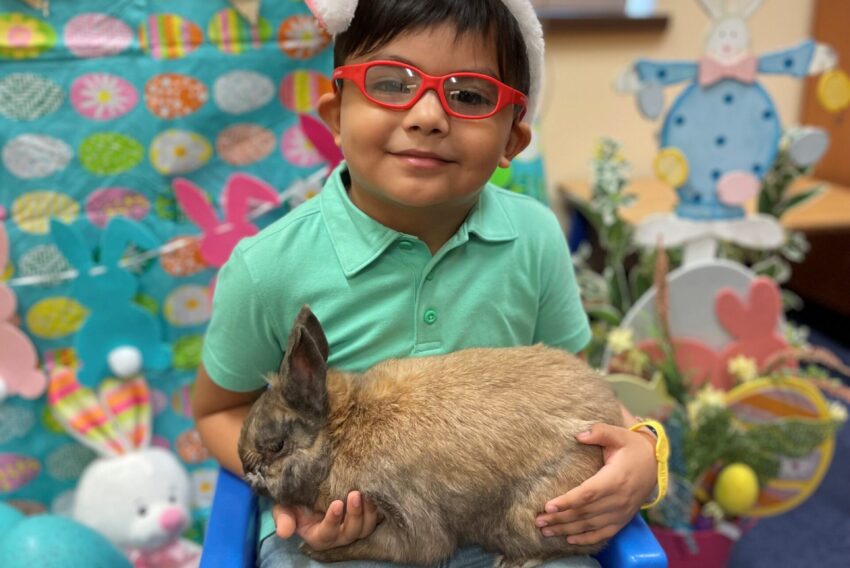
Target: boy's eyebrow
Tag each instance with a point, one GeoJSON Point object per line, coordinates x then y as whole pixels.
{"type": "Point", "coordinates": [385, 57]}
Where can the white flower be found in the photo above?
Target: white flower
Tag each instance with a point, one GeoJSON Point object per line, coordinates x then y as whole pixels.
{"type": "Point", "coordinates": [838, 412]}
{"type": "Point", "coordinates": [705, 399]}
{"type": "Point", "coordinates": [620, 340]}
{"type": "Point", "coordinates": [743, 368]}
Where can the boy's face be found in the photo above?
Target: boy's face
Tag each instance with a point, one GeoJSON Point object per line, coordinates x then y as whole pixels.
{"type": "Point", "coordinates": [421, 157]}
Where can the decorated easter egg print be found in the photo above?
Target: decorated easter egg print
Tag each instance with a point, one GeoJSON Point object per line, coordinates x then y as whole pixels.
{"type": "Point", "coordinates": [297, 148]}
{"type": "Point", "coordinates": [187, 354]}
{"type": "Point", "coordinates": [53, 318]}
{"type": "Point", "coordinates": [671, 167]}
{"type": "Point", "coordinates": [834, 90]}
{"type": "Point", "coordinates": [239, 92]}
{"type": "Point", "coordinates": [43, 260]}
{"type": "Point", "coordinates": [188, 305]}
{"type": "Point", "coordinates": [203, 487]}
{"type": "Point", "coordinates": [181, 401]}
{"type": "Point", "coordinates": [15, 422]}
{"type": "Point", "coordinates": [300, 37]}
{"type": "Point", "coordinates": [182, 260]}
{"type": "Point", "coordinates": [67, 463]}
{"type": "Point", "coordinates": [33, 210]}
{"type": "Point", "coordinates": [49, 422]}
{"type": "Point", "coordinates": [35, 156]}
{"type": "Point", "coordinates": [233, 34]}
{"type": "Point", "coordinates": [190, 448]}
{"type": "Point", "coordinates": [243, 144]}
{"type": "Point", "coordinates": [27, 96]}
{"type": "Point", "coordinates": [179, 151]}
{"type": "Point", "coordinates": [97, 35]}
{"type": "Point", "coordinates": [169, 36]}
{"type": "Point", "coordinates": [300, 90]}
{"type": "Point", "coordinates": [104, 204]}
{"type": "Point", "coordinates": [24, 37]}
{"type": "Point", "coordinates": [16, 471]}
{"type": "Point", "coordinates": [101, 96]}
{"type": "Point", "coordinates": [159, 401]}
{"type": "Point", "coordinates": [109, 153]}
{"type": "Point", "coordinates": [160, 442]}
{"type": "Point", "coordinates": [62, 357]}
{"type": "Point", "coordinates": [172, 95]}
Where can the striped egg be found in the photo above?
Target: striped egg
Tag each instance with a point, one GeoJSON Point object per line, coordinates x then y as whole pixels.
{"type": "Point", "coordinates": [301, 37]}
{"type": "Point", "coordinates": [16, 471]}
{"type": "Point", "coordinates": [300, 90]}
{"type": "Point", "coordinates": [232, 34]}
{"type": "Point", "coordinates": [240, 92]}
{"type": "Point", "coordinates": [172, 95]}
{"type": "Point", "coordinates": [109, 153]}
{"type": "Point", "coordinates": [33, 210]}
{"type": "Point", "coordinates": [169, 36]}
{"type": "Point", "coordinates": [56, 317]}
{"type": "Point", "coordinates": [35, 156]}
{"type": "Point", "coordinates": [27, 96]}
{"type": "Point", "coordinates": [24, 37]}
{"type": "Point", "coordinates": [109, 202]}
{"type": "Point", "coordinates": [179, 152]}
{"type": "Point", "coordinates": [243, 144]}
{"type": "Point", "coordinates": [97, 35]}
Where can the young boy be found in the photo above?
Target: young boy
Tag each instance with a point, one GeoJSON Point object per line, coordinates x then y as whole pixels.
{"type": "Point", "coordinates": [408, 251]}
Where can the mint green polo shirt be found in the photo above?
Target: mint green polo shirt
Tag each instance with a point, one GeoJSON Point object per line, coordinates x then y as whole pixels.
{"type": "Point", "coordinates": [504, 279]}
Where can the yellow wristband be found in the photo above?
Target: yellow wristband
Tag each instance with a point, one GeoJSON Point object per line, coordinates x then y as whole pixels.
{"type": "Point", "coordinates": [662, 454]}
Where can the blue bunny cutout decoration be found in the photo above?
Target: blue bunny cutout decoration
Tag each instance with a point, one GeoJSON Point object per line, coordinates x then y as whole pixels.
{"type": "Point", "coordinates": [118, 338]}
{"type": "Point", "coordinates": [722, 133]}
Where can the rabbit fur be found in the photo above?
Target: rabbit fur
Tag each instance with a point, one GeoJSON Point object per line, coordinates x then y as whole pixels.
{"type": "Point", "coordinates": [458, 449]}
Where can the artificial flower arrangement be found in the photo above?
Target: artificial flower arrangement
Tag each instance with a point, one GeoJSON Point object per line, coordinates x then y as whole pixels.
{"type": "Point", "coordinates": [751, 433]}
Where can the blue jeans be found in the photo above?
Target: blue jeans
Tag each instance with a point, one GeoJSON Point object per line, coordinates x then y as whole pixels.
{"type": "Point", "coordinates": [278, 553]}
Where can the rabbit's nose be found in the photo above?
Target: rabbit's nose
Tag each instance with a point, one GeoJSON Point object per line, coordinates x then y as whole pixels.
{"type": "Point", "coordinates": [172, 519]}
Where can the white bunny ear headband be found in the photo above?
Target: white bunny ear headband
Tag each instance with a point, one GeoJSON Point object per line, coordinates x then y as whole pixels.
{"type": "Point", "coordinates": [336, 16]}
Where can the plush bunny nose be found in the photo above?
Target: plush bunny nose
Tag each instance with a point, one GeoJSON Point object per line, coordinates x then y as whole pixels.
{"type": "Point", "coordinates": [172, 519]}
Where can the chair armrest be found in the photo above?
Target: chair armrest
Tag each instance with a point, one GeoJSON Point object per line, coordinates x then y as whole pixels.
{"type": "Point", "coordinates": [633, 547]}
{"type": "Point", "coordinates": [231, 537]}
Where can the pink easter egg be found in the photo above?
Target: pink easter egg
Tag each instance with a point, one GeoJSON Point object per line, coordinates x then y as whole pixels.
{"type": "Point", "coordinates": [97, 35]}
{"type": "Point", "coordinates": [16, 471]}
{"type": "Point", "coordinates": [243, 144]}
{"type": "Point", "coordinates": [297, 148]}
{"type": "Point", "coordinates": [172, 95]}
{"type": "Point", "coordinates": [101, 96]}
{"type": "Point", "coordinates": [104, 204]}
{"type": "Point", "coordinates": [300, 90]}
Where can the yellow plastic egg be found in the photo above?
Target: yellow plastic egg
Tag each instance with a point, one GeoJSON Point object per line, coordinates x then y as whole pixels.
{"type": "Point", "coordinates": [834, 90]}
{"type": "Point", "coordinates": [671, 167]}
{"type": "Point", "coordinates": [736, 488]}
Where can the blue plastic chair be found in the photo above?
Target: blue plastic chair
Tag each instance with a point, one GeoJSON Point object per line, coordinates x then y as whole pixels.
{"type": "Point", "coordinates": [231, 538]}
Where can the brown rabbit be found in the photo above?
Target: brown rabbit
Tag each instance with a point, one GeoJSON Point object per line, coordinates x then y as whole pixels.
{"type": "Point", "coordinates": [457, 449]}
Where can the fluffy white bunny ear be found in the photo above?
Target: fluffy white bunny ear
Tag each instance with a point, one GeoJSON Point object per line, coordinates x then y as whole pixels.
{"type": "Point", "coordinates": [334, 15]}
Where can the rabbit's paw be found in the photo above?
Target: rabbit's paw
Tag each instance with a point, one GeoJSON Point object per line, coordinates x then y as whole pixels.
{"type": "Point", "coordinates": [502, 562]}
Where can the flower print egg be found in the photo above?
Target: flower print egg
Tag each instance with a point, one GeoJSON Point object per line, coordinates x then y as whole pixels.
{"type": "Point", "coordinates": [26, 96]}
{"type": "Point", "coordinates": [33, 210]}
{"type": "Point", "coordinates": [16, 471]}
{"type": "Point", "coordinates": [188, 306]}
{"type": "Point", "coordinates": [34, 156]}
{"type": "Point", "coordinates": [300, 90]}
{"type": "Point", "coordinates": [97, 35]}
{"type": "Point", "coordinates": [54, 318]}
{"type": "Point", "coordinates": [183, 260]}
{"type": "Point", "coordinates": [243, 144]}
{"type": "Point", "coordinates": [179, 151]}
{"type": "Point", "coordinates": [203, 487]}
{"type": "Point", "coordinates": [169, 36]}
{"type": "Point", "coordinates": [300, 37]}
{"type": "Point", "coordinates": [172, 95]}
{"type": "Point", "coordinates": [109, 153]}
{"type": "Point", "coordinates": [104, 204]}
{"type": "Point", "coordinates": [232, 34]}
{"type": "Point", "coordinates": [24, 37]}
{"type": "Point", "coordinates": [101, 96]}
{"type": "Point", "coordinates": [297, 148]}
{"type": "Point", "coordinates": [240, 92]}
{"type": "Point", "coordinates": [190, 448]}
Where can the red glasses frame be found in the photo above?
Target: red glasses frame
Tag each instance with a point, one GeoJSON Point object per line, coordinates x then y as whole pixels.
{"type": "Point", "coordinates": [357, 74]}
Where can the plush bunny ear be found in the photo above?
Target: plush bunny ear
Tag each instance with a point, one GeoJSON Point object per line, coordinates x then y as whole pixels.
{"type": "Point", "coordinates": [334, 15]}
{"type": "Point", "coordinates": [129, 404]}
{"type": "Point", "coordinates": [119, 233]}
{"type": "Point", "coordinates": [747, 8]}
{"type": "Point", "coordinates": [714, 8]}
{"type": "Point", "coordinates": [79, 411]}
{"type": "Point", "coordinates": [71, 244]}
{"type": "Point", "coordinates": [239, 191]}
{"type": "Point", "coordinates": [195, 205]}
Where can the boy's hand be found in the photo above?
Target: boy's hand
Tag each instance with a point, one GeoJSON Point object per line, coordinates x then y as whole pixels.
{"type": "Point", "coordinates": [598, 508]}
{"type": "Point", "coordinates": [331, 530]}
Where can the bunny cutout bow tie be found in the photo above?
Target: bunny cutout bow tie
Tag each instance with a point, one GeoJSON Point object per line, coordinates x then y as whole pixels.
{"type": "Point", "coordinates": [712, 70]}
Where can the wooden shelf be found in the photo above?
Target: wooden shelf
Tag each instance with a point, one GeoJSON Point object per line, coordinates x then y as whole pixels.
{"type": "Point", "coordinates": [560, 19]}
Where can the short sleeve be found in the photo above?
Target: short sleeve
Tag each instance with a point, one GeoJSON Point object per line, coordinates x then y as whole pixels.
{"type": "Point", "coordinates": [561, 320]}
{"type": "Point", "coordinates": [241, 345]}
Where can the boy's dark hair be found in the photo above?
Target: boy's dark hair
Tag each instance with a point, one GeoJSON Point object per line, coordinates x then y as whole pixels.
{"type": "Point", "coordinates": [378, 22]}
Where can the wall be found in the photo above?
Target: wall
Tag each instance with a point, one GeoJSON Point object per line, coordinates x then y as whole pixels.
{"type": "Point", "coordinates": [580, 104]}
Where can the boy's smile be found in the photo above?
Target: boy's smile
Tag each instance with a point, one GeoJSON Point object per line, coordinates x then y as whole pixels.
{"type": "Point", "coordinates": [419, 171]}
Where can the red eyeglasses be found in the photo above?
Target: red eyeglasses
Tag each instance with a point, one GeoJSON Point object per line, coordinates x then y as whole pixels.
{"type": "Point", "coordinates": [399, 86]}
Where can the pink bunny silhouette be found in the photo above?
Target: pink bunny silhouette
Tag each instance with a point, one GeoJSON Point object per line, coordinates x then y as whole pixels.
{"type": "Point", "coordinates": [19, 373]}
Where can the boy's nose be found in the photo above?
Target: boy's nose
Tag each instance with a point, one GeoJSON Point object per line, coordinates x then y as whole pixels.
{"type": "Point", "coordinates": [428, 115]}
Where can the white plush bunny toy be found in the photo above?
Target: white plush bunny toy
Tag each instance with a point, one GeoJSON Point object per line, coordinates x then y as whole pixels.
{"type": "Point", "coordinates": [136, 495]}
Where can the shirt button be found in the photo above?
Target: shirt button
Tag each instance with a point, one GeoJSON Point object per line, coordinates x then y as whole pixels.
{"type": "Point", "coordinates": [430, 316]}
{"type": "Point", "coordinates": [405, 245]}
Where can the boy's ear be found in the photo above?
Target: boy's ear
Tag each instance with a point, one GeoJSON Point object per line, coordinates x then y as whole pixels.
{"type": "Point", "coordinates": [519, 139]}
{"type": "Point", "coordinates": [329, 109]}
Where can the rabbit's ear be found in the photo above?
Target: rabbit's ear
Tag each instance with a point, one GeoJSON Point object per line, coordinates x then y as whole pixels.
{"type": "Point", "coordinates": [195, 205]}
{"type": "Point", "coordinates": [119, 233]}
{"type": "Point", "coordinates": [71, 244]}
{"type": "Point", "coordinates": [304, 371]}
{"type": "Point", "coordinates": [242, 188]}
{"type": "Point", "coordinates": [714, 8]}
{"type": "Point", "coordinates": [313, 327]}
{"type": "Point", "coordinates": [129, 403]}
{"type": "Point", "coordinates": [78, 410]}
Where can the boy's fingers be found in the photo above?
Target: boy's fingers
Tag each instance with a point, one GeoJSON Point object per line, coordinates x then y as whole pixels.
{"type": "Point", "coordinates": [595, 509]}
{"type": "Point", "coordinates": [586, 525]}
{"type": "Point", "coordinates": [604, 435]}
{"type": "Point", "coordinates": [328, 530]}
{"type": "Point", "coordinates": [595, 488]}
{"type": "Point", "coordinates": [594, 536]}
{"type": "Point", "coordinates": [284, 521]}
{"type": "Point", "coordinates": [353, 525]}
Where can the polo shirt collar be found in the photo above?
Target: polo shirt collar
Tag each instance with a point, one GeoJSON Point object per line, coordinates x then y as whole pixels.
{"type": "Point", "coordinates": [359, 240]}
